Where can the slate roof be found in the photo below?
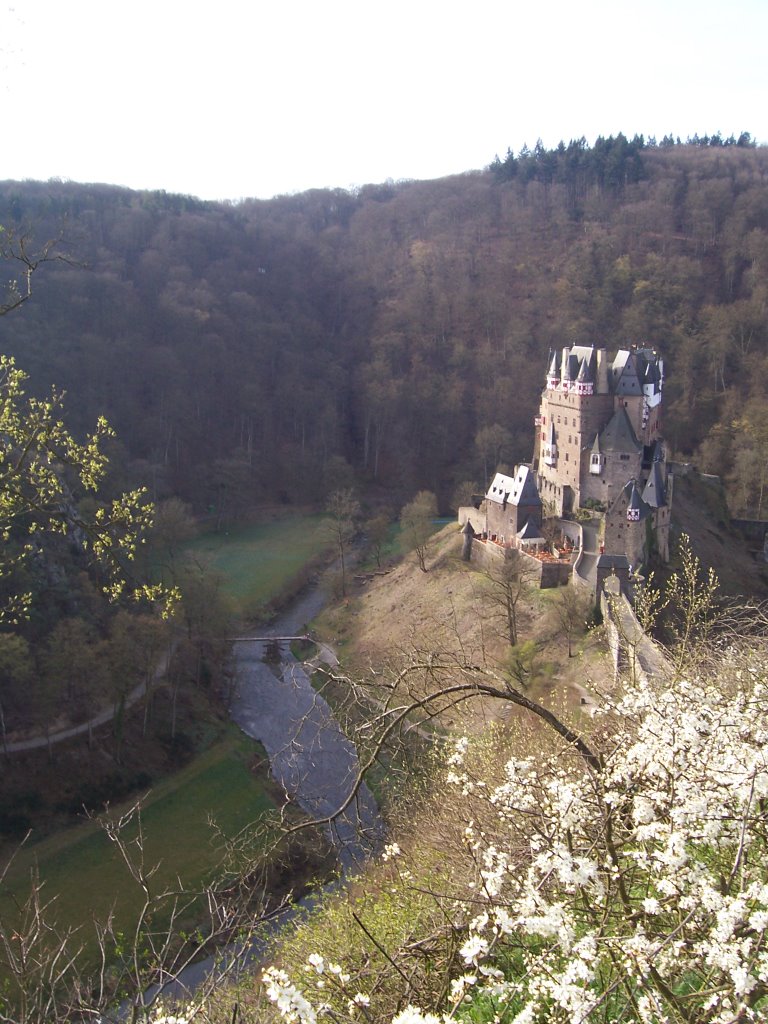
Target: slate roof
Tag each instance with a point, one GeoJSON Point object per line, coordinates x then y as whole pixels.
{"type": "Point", "coordinates": [576, 362]}
{"type": "Point", "coordinates": [618, 434]}
{"type": "Point", "coordinates": [652, 374]}
{"type": "Point", "coordinates": [585, 352]}
{"type": "Point", "coordinates": [530, 531]}
{"type": "Point", "coordinates": [519, 489]}
{"type": "Point", "coordinates": [585, 373]}
{"type": "Point", "coordinates": [626, 380]}
{"type": "Point", "coordinates": [636, 502]}
{"type": "Point", "coordinates": [655, 490]}
{"type": "Point", "coordinates": [500, 488]}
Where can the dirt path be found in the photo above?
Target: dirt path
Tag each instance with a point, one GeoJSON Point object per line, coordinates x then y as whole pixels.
{"type": "Point", "coordinates": [104, 716]}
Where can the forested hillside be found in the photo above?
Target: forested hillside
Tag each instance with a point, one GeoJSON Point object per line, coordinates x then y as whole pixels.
{"type": "Point", "coordinates": [265, 350]}
{"type": "Point", "coordinates": [394, 339]}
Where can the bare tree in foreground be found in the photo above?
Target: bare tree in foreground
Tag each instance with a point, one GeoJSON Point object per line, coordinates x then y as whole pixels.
{"type": "Point", "coordinates": [504, 584]}
{"type": "Point", "coordinates": [417, 524]}
{"type": "Point", "coordinates": [54, 973]}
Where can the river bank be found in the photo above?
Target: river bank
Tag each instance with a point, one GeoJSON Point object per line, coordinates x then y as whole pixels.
{"type": "Point", "coordinates": [310, 758]}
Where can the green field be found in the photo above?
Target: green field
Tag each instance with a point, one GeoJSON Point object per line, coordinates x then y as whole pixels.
{"type": "Point", "coordinates": [80, 866]}
{"type": "Point", "coordinates": [261, 562]}
{"type": "Point", "coordinates": [84, 868]}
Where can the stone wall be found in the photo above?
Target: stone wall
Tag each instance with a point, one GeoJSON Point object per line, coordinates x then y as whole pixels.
{"type": "Point", "coordinates": [633, 652]}
{"type": "Point", "coordinates": [474, 515]}
{"type": "Point", "coordinates": [486, 555]}
{"type": "Point", "coordinates": [553, 574]}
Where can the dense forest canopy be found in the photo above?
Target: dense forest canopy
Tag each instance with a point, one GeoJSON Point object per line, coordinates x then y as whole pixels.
{"type": "Point", "coordinates": [271, 350]}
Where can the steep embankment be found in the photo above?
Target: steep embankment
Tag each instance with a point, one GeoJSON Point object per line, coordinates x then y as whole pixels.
{"type": "Point", "coordinates": [699, 509]}
{"type": "Point", "coordinates": [390, 619]}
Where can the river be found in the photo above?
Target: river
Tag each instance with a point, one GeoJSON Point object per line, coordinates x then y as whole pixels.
{"type": "Point", "coordinates": [309, 756]}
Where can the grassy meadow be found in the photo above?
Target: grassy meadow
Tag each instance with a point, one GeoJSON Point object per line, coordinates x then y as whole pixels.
{"type": "Point", "coordinates": [83, 868]}
{"type": "Point", "coordinates": [79, 866]}
{"type": "Point", "coordinates": [263, 562]}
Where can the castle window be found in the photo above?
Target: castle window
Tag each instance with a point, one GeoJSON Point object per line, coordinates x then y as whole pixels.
{"type": "Point", "coordinates": [574, 421]}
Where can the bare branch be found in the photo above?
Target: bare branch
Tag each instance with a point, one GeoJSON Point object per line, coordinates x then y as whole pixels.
{"type": "Point", "coordinates": [16, 249]}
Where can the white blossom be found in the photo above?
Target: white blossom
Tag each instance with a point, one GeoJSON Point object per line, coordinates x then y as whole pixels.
{"type": "Point", "coordinates": [474, 948]}
{"type": "Point", "coordinates": [412, 1015]}
{"type": "Point", "coordinates": [292, 1005]}
{"type": "Point", "coordinates": [316, 962]}
{"type": "Point", "coordinates": [655, 867]}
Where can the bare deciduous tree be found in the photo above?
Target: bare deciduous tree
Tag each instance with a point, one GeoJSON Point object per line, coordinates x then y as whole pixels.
{"type": "Point", "coordinates": [417, 522]}
{"type": "Point", "coordinates": [58, 974]}
{"type": "Point", "coordinates": [505, 584]}
{"type": "Point", "coordinates": [377, 530]}
{"type": "Point", "coordinates": [343, 510]}
{"type": "Point", "coordinates": [570, 609]}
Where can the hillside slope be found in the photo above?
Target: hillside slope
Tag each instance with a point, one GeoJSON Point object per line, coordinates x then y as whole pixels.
{"type": "Point", "coordinates": [699, 510]}
{"type": "Point", "coordinates": [392, 618]}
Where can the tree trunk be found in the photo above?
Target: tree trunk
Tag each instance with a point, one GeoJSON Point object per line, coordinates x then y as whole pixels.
{"type": "Point", "coordinates": [2, 729]}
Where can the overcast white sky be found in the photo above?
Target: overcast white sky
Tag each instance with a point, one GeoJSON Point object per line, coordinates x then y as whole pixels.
{"type": "Point", "coordinates": [231, 98]}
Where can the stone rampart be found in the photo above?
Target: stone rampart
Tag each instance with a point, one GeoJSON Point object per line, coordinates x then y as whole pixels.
{"type": "Point", "coordinates": [487, 555]}
{"type": "Point", "coordinates": [553, 574]}
{"type": "Point", "coordinates": [633, 652]}
{"type": "Point", "coordinates": [474, 515]}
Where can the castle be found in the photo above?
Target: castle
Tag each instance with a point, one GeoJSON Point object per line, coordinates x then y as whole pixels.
{"type": "Point", "coordinates": [598, 447]}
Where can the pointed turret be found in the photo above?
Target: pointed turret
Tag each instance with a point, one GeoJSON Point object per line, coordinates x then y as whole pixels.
{"type": "Point", "coordinates": [596, 458]}
{"type": "Point", "coordinates": [566, 377]}
{"type": "Point", "coordinates": [637, 509]}
{"type": "Point", "coordinates": [655, 490]}
{"type": "Point", "coordinates": [469, 536]}
{"type": "Point", "coordinates": [585, 381]}
{"type": "Point", "coordinates": [553, 375]}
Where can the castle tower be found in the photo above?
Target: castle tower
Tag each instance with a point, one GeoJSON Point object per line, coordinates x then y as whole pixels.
{"type": "Point", "coordinates": [599, 441]}
{"type": "Point", "coordinates": [573, 407]}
